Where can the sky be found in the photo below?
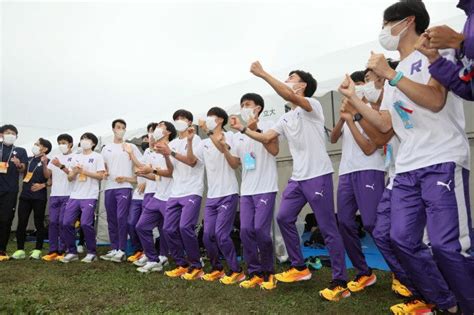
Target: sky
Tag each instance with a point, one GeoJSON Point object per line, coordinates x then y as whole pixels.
{"type": "Point", "coordinates": [69, 64]}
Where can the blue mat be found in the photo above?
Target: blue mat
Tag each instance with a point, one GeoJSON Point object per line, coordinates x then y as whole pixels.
{"type": "Point", "coordinates": [372, 255]}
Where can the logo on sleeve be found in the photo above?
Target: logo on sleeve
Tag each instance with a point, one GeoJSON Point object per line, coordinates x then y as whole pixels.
{"type": "Point", "coordinates": [416, 67]}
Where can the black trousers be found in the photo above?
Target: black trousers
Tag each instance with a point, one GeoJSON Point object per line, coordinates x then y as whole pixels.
{"type": "Point", "coordinates": [7, 213]}
{"type": "Point", "coordinates": [25, 206]}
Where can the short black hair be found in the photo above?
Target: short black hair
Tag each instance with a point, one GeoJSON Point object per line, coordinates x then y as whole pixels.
{"type": "Point", "coordinates": [10, 127]}
{"type": "Point", "coordinates": [170, 127]}
{"type": "Point", "coordinates": [45, 143]}
{"type": "Point", "coordinates": [66, 137]}
{"type": "Point", "coordinates": [151, 125]}
{"type": "Point", "coordinates": [144, 136]}
{"type": "Point", "coordinates": [311, 83]}
{"type": "Point", "coordinates": [405, 8]}
{"type": "Point", "coordinates": [183, 113]}
{"type": "Point", "coordinates": [219, 112]}
{"type": "Point", "coordinates": [1, 129]}
{"type": "Point", "coordinates": [358, 76]}
{"type": "Point", "coordinates": [92, 137]}
{"type": "Point", "coordinates": [120, 120]}
{"type": "Point", "coordinates": [256, 98]}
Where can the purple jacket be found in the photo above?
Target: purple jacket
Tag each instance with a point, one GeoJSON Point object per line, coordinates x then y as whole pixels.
{"type": "Point", "coordinates": [447, 72]}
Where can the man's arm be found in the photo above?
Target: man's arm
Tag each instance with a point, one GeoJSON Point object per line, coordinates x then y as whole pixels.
{"type": "Point", "coordinates": [431, 96]}
{"type": "Point", "coordinates": [337, 130]}
{"type": "Point", "coordinates": [381, 120]}
{"type": "Point", "coordinates": [273, 147]}
{"type": "Point", "coordinates": [366, 145]}
{"type": "Point", "coordinates": [284, 91]}
{"type": "Point", "coordinates": [46, 171]}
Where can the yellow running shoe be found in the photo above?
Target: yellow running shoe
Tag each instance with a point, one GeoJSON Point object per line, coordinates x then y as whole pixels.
{"type": "Point", "coordinates": [294, 275]}
{"type": "Point", "coordinates": [336, 291]}
{"type": "Point", "coordinates": [50, 257]}
{"type": "Point", "coordinates": [235, 277]}
{"type": "Point", "coordinates": [254, 281]}
{"type": "Point", "coordinates": [270, 284]}
{"type": "Point", "coordinates": [4, 256]}
{"type": "Point", "coordinates": [59, 257]}
{"type": "Point", "coordinates": [213, 275]}
{"type": "Point", "coordinates": [411, 307]}
{"type": "Point", "coordinates": [193, 274]}
{"type": "Point", "coordinates": [136, 256]}
{"type": "Point", "coordinates": [176, 272]}
{"type": "Point", "coordinates": [361, 282]}
{"type": "Point", "coordinates": [399, 288]}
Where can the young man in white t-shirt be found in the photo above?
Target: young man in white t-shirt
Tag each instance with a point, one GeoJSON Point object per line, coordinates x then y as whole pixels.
{"type": "Point", "coordinates": [118, 193]}
{"type": "Point", "coordinates": [432, 166]}
{"type": "Point", "coordinates": [150, 157]}
{"type": "Point", "coordinates": [361, 182]}
{"type": "Point", "coordinates": [401, 282]}
{"type": "Point", "coordinates": [153, 212]}
{"type": "Point", "coordinates": [61, 188]}
{"type": "Point", "coordinates": [311, 180]}
{"type": "Point", "coordinates": [184, 204]}
{"type": "Point", "coordinates": [258, 192]}
{"type": "Point", "coordinates": [222, 197]}
{"type": "Point", "coordinates": [88, 169]}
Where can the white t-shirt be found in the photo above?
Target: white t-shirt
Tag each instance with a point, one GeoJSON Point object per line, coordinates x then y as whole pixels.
{"type": "Point", "coordinates": [435, 137]}
{"type": "Point", "coordinates": [353, 159]}
{"type": "Point", "coordinates": [187, 180]}
{"type": "Point", "coordinates": [163, 184]}
{"type": "Point", "coordinates": [118, 163]}
{"type": "Point", "coordinates": [88, 189]}
{"type": "Point", "coordinates": [136, 195]}
{"type": "Point", "coordinates": [221, 179]}
{"type": "Point", "coordinates": [150, 158]}
{"type": "Point", "coordinates": [264, 177]}
{"type": "Point", "coordinates": [307, 141]}
{"type": "Point", "coordinates": [61, 185]}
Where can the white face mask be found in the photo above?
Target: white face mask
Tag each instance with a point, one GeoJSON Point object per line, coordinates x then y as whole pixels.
{"type": "Point", "coordinates": [291, 85]}
{"type": "Point", "coordinates": [1, 138]}
{"type": "Point", "coordinates": [389, 41]}
{"type": "Point", "coordinates": [64, 148]}
{"type": "Point", "coordinates": [9, 139]}
{"type": "Point", "coordinates": [86, 144]}
{"type": "Point", "coordinates": [371, 93]}
{"type": "Point", "coordinates": [211, 123]}
{"type": "Point", "coordinates": [36, 150]}
{"type": "Point", "coordinates": [120, 133]}
{"type": "Point", "coordinates": [180, 125]}
{"type": "Point", "coordinates": [359, 90]}
{"type": "Point", "coordinates": [158, 134]}
{"type": "Point", "coordinates": [247, 113]}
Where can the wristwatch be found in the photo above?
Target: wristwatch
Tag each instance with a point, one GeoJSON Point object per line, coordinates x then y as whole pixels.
{"type": "Point", "coordinates": [357, 117]}
{"type": "Point", "coordinates": [173, 154]}
{"type": "Point", "coordinates": [210, 133]}
{"type": "Point", "coordinates": [62, 167]}
{"type": "Point", "coordinates": [243, 130]}
{"type": "Point", "coordinates": [155, 172]}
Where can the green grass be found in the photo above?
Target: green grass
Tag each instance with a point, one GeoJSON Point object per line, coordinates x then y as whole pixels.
{"type": "Point", "coordinates": [104, 287]}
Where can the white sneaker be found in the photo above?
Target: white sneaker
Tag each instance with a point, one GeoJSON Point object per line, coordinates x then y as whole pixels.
{"type": "Point", "coordinates": [68, 258]}
{"type": "Point", "coordinates": [151, 266]}
{"type": "Point", "coordinates": [119, 256]}
{"type": "Point", "coordinates": [109, 255]}
{"type": "Point", "coordinates": [80, 249]}
{"type": "Point", "coordinates": [89, 258]}
{"type": "Point", "coordinates": [163, 261]}
{"type": "Point", "coordinates": [202, 262]}
{"type": "Point", "coordinates": [141, 262]}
